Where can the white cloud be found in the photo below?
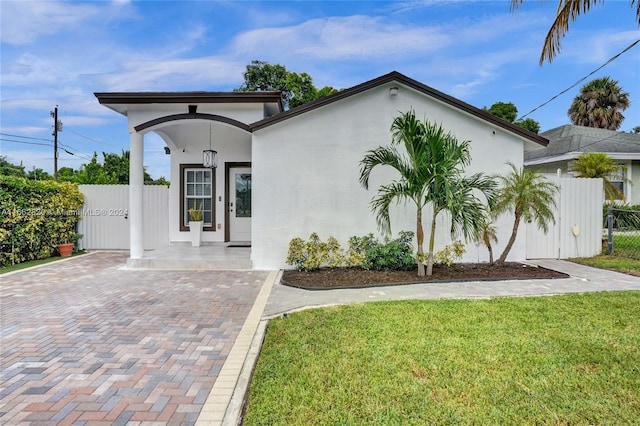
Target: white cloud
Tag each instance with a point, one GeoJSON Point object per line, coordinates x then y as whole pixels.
{"type": "Point", "coordinates": [27, 21]}
{"type": "Point", "coordinates": [339, 38]}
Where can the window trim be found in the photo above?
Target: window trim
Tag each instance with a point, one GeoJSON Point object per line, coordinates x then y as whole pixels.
{"type": "Point", "coordinates": [183, 167]}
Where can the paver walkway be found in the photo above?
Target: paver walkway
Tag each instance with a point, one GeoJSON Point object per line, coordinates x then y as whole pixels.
{"type": "Point", "coordinates": [84, 342]}
{"type": "Point", "coordinates": [582, 279]}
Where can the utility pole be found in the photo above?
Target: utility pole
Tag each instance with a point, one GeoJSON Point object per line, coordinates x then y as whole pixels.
{"type": "Point", "coordinates": [57, 127]}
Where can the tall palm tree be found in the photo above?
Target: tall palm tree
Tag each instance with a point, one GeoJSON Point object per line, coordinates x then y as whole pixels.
{"type": "Point", "coordinates": [431, 167]}
{"type": "Point", "coordinates": [599, 104]}
{"type": "Point", "coordinates": [530, 196]}
{"type": "Point", "coordinates": [600, 165]}
{"type": "Point", "coordinates": [568, 10]}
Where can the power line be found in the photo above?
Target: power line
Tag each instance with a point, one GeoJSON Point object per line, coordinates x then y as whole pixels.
{"type": "Point", "coordinates": [86, 137]}
{"type": "Point", "coordinates": [24, 142]}
{"type": "Point", "coordinates": [583, 78]}
{"type": "Point", "coordinates": [26, 137]}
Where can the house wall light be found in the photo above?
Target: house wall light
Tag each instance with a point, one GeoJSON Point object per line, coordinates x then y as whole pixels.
{"type": "Point", "coordinates": [393, 91]}
{"type": "Point", "coordinates": [209, 159]}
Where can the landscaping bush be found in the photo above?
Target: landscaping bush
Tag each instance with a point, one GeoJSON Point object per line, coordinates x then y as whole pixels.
{"type": "Point", "coordinates": [313, 254]}
{"type": "Point", "coordinates": [450, 253]}
{"type": "Point", "coordinates": [363, 252]}
{"type": "Point", "coordinates": [392, 254]}
{"type": "Point", "coordinates": [35, 217]}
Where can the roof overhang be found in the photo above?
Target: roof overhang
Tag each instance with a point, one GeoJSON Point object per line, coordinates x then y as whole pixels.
{"type": "Point", "coordinates": [617, 156]}
{"type": "Point", "coordinates": [402, 79]}
{"type": "Point", "coordinates": [121, 101]}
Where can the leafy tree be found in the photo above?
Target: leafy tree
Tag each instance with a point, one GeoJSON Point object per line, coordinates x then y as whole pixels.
{"type": "Point", "coordinates": [262, 76]}
{"type": "Point", "coordinates": [431, 164]}
{"type": "Point", "coordinates": [568, 10]}
{"type": "Point", "coordinates": [505, 110]}
{"type": "Point", "coordinates": [635, 130]}
{"type": "Point", "coordinates": [600, 165]}
{"type": "Point", "coordinates": [39, 174]}
{"type": "Point", "coordinates": [66, 174]}
{"type": "Point", "coordinates": [528, 123]}
{"type": "Point", "coordinates": [296, 89]}
{"type": "Point", "coordinates": [301, 85]}
{"type": "Point", "coordinates": [10, 169]}
{"type": "Point", "coordinates": [93, 173]}
{"type": "Point", "coordinates": [599, 105]}
{"type": "Point", "coordinates": [508, 111]}
{"type": "Point", "coordinates": [530, 196]}
{"type": "Point", "coordinates": [117, 166]}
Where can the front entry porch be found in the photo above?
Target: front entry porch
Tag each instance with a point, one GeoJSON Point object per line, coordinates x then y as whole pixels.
{"type": "Point", "coordinates": [182, 256]}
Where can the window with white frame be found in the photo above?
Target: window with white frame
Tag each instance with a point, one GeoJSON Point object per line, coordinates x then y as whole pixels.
{"type": "Point", "coordinates": [619, 180]}
{"type": "Point", "coordinates": [197, 191]}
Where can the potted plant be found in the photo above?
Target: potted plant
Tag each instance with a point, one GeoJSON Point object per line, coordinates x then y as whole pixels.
{"type": "Point", "coordinates": [195, 225]}
{"type": "Point", "coordinates": [65, 249]}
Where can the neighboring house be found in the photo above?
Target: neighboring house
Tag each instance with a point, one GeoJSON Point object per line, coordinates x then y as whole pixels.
{"type": "Point", "coordinates": [567, 143]}
{"type": "Point", "coordinates": [284, 174]}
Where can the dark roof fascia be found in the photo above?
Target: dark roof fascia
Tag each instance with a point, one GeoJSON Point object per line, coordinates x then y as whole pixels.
{"type": "Point", "coordinates": [400, 78]}
{"type": "Point", "coordinates": [141, 98]}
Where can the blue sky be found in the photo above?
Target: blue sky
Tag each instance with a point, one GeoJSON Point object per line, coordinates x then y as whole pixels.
{"type": "Point", "coordinates": [478, 51]}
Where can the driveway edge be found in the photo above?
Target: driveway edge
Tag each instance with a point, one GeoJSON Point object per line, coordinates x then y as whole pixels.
{"type": "Point", "coordinates": [218, 408]}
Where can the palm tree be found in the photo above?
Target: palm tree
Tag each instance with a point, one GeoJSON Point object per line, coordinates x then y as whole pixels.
{"type": "Point", "coordinates": [431, 171]}
{"type": "Point", "coordinates": [600, 165]}
{"type": "Point", "coordinates": [568, 10]}
{"type": "Point", "coordinates": [599, 104]}
{"type": "Point", "coordinates": [488, 235]}
{"type": "Point", "coordinates": [530, 196]}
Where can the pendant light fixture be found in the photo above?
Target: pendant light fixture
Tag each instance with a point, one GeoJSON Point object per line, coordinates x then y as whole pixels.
{"type": "Point", "coordinates": [209, 156]}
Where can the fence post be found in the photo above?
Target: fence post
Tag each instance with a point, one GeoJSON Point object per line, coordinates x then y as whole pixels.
{"type": "Point", "coordinates": [609, 231]}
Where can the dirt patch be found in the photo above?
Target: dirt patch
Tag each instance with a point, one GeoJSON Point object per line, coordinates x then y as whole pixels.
{"type": "Point", "coordinates": [328, 278]}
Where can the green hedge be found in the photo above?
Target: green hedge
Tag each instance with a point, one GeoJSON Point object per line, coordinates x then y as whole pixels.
{"type": "Point", "coordinates": [36, 216]}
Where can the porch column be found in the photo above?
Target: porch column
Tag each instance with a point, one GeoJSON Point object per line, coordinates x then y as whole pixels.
{"type": "Point", "coordinates": [136, 188]}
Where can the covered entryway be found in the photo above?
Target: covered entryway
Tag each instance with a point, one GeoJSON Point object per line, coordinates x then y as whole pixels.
{"type": "Point", "coordinates": [194, 126]}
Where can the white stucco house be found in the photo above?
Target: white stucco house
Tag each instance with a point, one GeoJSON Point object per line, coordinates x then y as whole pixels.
{"type": "Point", "coordinates": [284, 174]}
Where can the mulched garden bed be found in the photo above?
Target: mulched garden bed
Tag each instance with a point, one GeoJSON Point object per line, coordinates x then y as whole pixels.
{"type": "Point", "coordinates": [328, 278]}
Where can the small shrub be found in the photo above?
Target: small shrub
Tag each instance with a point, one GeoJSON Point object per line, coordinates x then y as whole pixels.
{"type": "Point", "coordinates": [314, 253]}
{"type": "Point", "coordinates": [357, 252]}
{"type": "Point", "coordinates": [450, 253]}
{"type": "Point", "coordinates": [392, 255]}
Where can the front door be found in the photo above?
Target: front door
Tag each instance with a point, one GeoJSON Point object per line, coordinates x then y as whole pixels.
{"type": "Point", "coordinates": [239, 204]}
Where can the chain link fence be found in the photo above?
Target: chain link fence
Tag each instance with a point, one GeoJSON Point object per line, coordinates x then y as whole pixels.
{"type": "Point", "coordinates": [623, 233]}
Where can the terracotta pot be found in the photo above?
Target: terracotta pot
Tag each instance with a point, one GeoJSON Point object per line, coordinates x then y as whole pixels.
{"type": "Point", "coordinates": [65, 249]}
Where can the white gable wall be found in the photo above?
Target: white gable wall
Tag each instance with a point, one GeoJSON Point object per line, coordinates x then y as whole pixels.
{"type": "Point", "coordinates": [306, 169]}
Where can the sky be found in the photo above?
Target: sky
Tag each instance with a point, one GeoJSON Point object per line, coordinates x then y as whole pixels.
{"type": "Point", "coordinates": [62, 52]}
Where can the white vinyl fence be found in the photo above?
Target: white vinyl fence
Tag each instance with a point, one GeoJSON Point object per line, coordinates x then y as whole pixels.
{"type": "Point", "coordinates": [578, 228]}
{"type": "Point", "coordinates": [104, 222]}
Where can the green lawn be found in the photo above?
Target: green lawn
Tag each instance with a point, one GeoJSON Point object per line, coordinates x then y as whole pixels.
{"type": "Point", "coordinates": [30, 263]}
{"type": "Point", "coordinates": [613, 263]}
{"type": "Point", "coordinates": [571, 359]}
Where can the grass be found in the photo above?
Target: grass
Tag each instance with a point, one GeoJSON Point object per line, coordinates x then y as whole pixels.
{"type": "Point", "coordinates": [612, 263]}
{"type": "Point", "coordinates": [571, 359]}
{"type": "Point", "coordinates": [30, 263]}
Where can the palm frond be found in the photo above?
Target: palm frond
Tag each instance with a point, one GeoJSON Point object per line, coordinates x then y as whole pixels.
{"type": "Point", "coordinates": [568, 10]}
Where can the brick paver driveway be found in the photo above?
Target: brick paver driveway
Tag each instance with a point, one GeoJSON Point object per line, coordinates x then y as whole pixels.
{"type": "Point", "coordinates": [86, 343]}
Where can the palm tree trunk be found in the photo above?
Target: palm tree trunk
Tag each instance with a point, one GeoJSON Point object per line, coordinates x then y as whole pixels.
{"type": "Point", "coordinates": [490, 249]}
{"type": "Point", "coordinates": [512, 239]}
{"type": "Point", "coordinates": [420, 236]}
{"type": "Point", "coordinates": [431, 244]}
